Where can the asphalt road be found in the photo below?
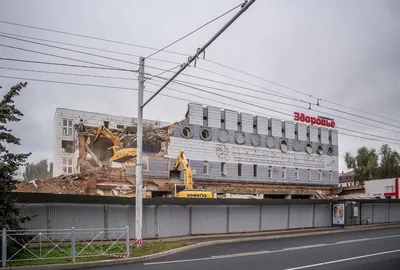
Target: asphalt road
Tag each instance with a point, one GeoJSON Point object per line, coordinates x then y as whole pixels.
{"type": "Point", "coordinates": [362, 250]}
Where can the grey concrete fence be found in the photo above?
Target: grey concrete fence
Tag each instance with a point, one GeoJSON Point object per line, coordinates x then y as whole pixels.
{"type": "Point", "coordinates": [166, 220]}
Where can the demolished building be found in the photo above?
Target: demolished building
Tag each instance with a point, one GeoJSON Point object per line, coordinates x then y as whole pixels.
{"type": "Point", "coordinates": [229, 153]}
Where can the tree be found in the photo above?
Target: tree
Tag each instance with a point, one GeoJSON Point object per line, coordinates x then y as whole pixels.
{"type": "Point", "coordinates": [39, 170]}
{"type": "Point", "coordinates": [10, 162]}
{"type": "Point", "coordinates": [390, 162]}
{"type": "Point", "coordinates": [364, 164]}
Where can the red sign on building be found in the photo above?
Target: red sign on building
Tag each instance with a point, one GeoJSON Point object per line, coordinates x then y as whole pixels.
{"type": "Point", "coordinates": [321, 121]}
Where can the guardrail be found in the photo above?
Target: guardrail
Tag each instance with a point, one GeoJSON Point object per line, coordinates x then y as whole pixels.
{"type": "Point", "coordinates": [63, 244]}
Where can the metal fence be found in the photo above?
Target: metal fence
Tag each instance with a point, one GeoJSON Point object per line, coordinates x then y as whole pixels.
{"type": "Point", "coordinates": [63, 244]}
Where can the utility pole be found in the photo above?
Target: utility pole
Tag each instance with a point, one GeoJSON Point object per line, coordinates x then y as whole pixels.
{"type": "Point", "coordinates": [141, 105]}
{"type": "Point", "coordinates": [245, 6]}
{"type": "Point", "coordinates": [139, 159]}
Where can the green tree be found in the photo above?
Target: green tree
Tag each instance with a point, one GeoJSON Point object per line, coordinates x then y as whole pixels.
{"type": "Point", "coordinates": [39, 170]}
{"type": "Point", "coordinates": [364, 164]}
{"type": "Point", "coordinates": [390, 162]}
{"type": "Point", "coordinates": [9, 162]}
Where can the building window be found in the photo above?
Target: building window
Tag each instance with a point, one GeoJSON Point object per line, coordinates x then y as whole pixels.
{"type": "Point", "coordinates": [67, 127]}
{"type": "Point", "coordinates": [223, 168]}
{"type": "Point", "coordinates": [283, 173]}
{"type": "Point", "coordinates": [145, 163]}
{"type": "Point", "coordinates": [296, 173]}
{"type": "Point", "coordinates": [269, 171]}
{"type": "Point", "coordinates": [389, 189]}
{"type": "Point", "coordinates": [330, 175]}
{"type": "Point", "coordinates": [205, 167]}
{"type": "Point", "coordinates": [320, 175]}
{"type": "Point", "coordinates": [166, 165]}
{"type": "Point", "coordinates": [120, 126]}
{"type": "Point", "coordinates": [308, 174]}
{"type": "Point", "coordinates": [67, 146]}
{"type": "Point", "coordinates": [67, 165]}
{"type": "Point", "coordinates": [239, 169]}
{"type": "Point", "coordinates": [255, 170]}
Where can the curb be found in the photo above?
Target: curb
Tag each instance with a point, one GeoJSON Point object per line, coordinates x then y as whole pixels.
{"type": "Point", "coordinates": [103, 263]}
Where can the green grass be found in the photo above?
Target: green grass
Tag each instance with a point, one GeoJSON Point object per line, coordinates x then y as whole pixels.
{"type": "Point", "coordinates": [94, 252]}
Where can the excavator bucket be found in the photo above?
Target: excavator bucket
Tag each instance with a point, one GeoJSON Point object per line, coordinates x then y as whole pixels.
{"type": "Point", "coordinates": [175, 176]}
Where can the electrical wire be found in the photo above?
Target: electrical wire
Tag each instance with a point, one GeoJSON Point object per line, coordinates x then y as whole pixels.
{"type": "Point", "coordinates": [89, 37]}
{"type": "Point", "coordinates": [133, 89]}
{"type": "Point", "coordinates": [68, 58]}
{"type": "Point", "coordinates": [303, 93]}
{"type": "Point", "coordinates": [54, 64]}
{"type": "Point", "coordinates": [87, 47]}
{"type": "Point", "coordinates": [209, 99]}
{"type": "Point", "coordinates": [183, 83]}
{"type": "Point", "coordinates": [214, 62]}
{"type": "Point", "coordinates": [260, 78]}
{"type": "Point", "coordinates": [194, 31]}
{"type": "Point", "coordinates": [224, 83]}
{"type": "Point", "coordinates": [69, 83]}
{"type": "Point", "coordinates": [69, 74]}
{"type": "Point", "coordinates": [183, 54]}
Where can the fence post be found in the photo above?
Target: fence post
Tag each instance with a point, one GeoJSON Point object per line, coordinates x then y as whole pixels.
{"type": "Point", "coordinates": [73, 245]}
{"type": "Point", "coordinates": [4, 248]}
{"type": "Point", "coordinates": [127, 243]}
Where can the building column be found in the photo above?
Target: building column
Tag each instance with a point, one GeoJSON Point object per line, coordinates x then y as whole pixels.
{"type": "Point", "coordinates": [288, 196]}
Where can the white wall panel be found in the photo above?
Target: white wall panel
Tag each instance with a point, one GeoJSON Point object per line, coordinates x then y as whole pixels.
{"type": "Point", "coordinates": [302, 132]}
{"type": "Point", "coordinates": [247, 122]}
{"type": "Point", "coordinates": [314, 134]}
{"type": "Point", "coordinates": [233, 153]}
{"type": "Point", "coordinates": [231, 120]}
{"type": "Point", "coordinates": [262, 125]}
{"type": "Point", "coordinates": [276, 126]}
{"type": "Point", "coordinates": [324, 135]}
{"type": "Point", "coordinates": [195, 114]}
{"type": "Point", "coordinates": [289, 130]}
{"type": "Point", "coordinates": [214, 117]}
{"type": "Point", "coordinates": [334, 135]}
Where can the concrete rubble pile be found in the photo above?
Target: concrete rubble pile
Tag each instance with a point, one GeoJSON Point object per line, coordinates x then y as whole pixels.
{"type": "Point", "coordinates": [81, 183]}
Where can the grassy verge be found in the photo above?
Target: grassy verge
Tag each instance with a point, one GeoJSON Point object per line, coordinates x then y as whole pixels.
{"type": "Point", "coordinates": [90, 253]}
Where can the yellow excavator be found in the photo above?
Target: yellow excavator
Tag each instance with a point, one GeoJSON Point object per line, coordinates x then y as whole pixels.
{"type": "Point", "coordinates": [115, 153]}
{"type": "Point", "coordinates": [186, 190]}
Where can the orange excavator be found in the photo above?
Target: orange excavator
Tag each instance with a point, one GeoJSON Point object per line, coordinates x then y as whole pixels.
{"type": "Point", "coordinates": [115, 153]}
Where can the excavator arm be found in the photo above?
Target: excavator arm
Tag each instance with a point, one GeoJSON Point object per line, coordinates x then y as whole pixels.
{"type": "Point", "coordinates": [116, 153]}
{"type": "Point", "coordinates": [182, 161]}
{"type": "Point", "coordinates": [106, 132]}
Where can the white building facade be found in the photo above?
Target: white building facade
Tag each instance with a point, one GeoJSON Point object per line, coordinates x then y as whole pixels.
{"type": "Point", "coordinates": [63, 134]}
{"type": "Point", "coordinates": [382, 188]}
{"type": "Point", "coordinates": [226, 145]}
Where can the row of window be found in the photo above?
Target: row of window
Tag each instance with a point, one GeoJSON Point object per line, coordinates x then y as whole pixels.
{"type": "Point", "coordinates": [269, 172]}
{"type": "Point", "coordinates": [68, 127]}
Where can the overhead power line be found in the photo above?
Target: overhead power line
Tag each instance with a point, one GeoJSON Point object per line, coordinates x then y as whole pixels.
{"type": "Point", "coordinates": [70, 83]}
{"type": "Point", "coordinates": [194, 31]}
{"type": "Point", "coordinates": [63, 57]}
{"type": "Point", "coordinates": [88, 47]}
{"type": "Point", "coordinates": [189, 84]}
{"type": "Point", "coordinates": [187, 100]}
{"type": "Point", "coordinates": [55, 64]}
{"type": "Point", "coordinates": [69, 74]}
{"type": "Point", "coordinates": [89, 37]}
{"type": "Point", "coordinates": [178, 53]}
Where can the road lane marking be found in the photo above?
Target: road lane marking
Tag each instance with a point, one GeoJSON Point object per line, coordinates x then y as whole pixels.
{"type": "Point", "coordinates": [344, 260]}
{"type": "Point", "coordinates": [261, 252]}
{"type": "Point", "coordinates": [304, 247]}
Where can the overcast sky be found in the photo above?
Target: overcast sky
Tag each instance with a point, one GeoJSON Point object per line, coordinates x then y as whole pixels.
{"type": "Point", "coordinates": [342, 51]}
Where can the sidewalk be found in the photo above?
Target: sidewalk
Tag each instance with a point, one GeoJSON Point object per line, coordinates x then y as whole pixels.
{"type": "Point", "coordinates": [198, 241]}
{"type": "Point", "coordinates": [193, 239]}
